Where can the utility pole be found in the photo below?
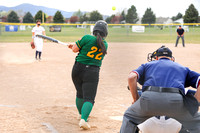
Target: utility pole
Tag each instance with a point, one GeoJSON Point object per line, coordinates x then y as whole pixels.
{"type": "Point", "coordinates": [43, 17]}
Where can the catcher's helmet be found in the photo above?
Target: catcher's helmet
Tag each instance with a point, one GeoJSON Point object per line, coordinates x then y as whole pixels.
{"type": "Point", "coordinates": [102, 27]}
{"type": "Point", "coordinates": [164, 51]}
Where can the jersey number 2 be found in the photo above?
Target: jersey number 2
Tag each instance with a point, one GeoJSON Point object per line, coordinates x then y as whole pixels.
{"type": "Point", "coordinates": [91, 53]}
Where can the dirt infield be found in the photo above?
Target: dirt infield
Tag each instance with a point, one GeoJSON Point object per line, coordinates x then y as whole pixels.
{"type": "Point", "coordinates": [39, 97]}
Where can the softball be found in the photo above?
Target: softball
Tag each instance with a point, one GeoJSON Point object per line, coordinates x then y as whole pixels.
{"type": "Point", "coordinates": [113, 8]}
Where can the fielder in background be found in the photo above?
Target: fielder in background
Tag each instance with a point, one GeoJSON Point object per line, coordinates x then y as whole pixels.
{"type": "Point", "coordinates": [38, 30]}
{"type": "Point", "coordinates": [163, 84]}
{"type": "Point", "coordinates": [85, 73]}
{"type": "Point", "coordinates": [180, 32]}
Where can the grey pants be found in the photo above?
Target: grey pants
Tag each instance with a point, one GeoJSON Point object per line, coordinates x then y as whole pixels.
{"type": "Point", "coordinates": [159, 104]}
{"type": "Point", "coordinates": [183, 41]}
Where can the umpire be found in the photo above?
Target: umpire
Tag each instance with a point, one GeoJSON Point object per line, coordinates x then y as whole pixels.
{"type": "Point", "coordinates": [180, 32]}
{"type": "Point", "coordinates": [163, 84]}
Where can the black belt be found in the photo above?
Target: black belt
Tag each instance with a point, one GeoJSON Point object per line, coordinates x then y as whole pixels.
{"type": "Point", "coordinates": [76, 62]}
{"type": "Point", "coordinates": [161, 89]}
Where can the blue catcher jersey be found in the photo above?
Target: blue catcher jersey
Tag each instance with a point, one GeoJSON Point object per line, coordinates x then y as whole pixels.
{"type": "Point", "coordinates": [166, 73]}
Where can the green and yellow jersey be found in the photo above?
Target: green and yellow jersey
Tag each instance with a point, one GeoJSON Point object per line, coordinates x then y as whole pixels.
{"type": "Point", "coordinates": [90, 53]}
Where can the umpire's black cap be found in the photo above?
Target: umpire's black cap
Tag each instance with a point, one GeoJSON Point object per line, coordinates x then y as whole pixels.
{"type": "Point", "coordinates": [164, 51]}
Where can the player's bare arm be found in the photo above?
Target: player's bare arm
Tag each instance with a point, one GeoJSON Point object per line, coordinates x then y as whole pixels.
{"type": "Point", "coordinates": [33, 34]}
{"type": "Point", "coordinates": [197, 94]}
{"type": "Point", "coordinates": [75, 48]}
{"type": "Point", "coordinates": [132, 82]}
{"type": "Point", "coordinates": [43, 32]}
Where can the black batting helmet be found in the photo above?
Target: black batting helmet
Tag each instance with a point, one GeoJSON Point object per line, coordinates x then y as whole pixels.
{"type": "Point", "coordinates": [102, 27]}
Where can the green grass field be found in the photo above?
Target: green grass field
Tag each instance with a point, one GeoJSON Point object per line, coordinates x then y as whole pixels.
{"type": "Point", "coordinates": [116, 34]}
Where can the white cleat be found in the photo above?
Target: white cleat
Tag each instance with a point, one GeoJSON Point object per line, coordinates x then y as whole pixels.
{"type": "Point", "coordinates": [83, 124]}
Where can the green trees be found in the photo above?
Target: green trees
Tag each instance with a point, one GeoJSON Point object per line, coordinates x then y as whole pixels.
{"type": "Point", "coordinates": [12, 17]}
{"type": "Point", "coordinates": [126, 16]}
{"type": "Point", "coordinates": [84, 18]}
{"type": "Point", "coordinates": [148, 17]}
{"type": "Point", "coordinates": [95, 16]}
{"type": "Point", "coordinates": [108, 19]}
{"type": "Point", "coordinates": [123, 16]}
{"type": "Point", "coordinates": [78, 13]}
{"type": "Point", "coordinates": [28, 18]}
{"type": "Point", "coordinates": [39, 16]}
{"type": "Point", "coordinates": [191, 15]}
{"type": "Point", "coordinates": [92, 16]}
{"type": "Point", "coordinates": [132, 16]}
{"type": "Point", "coordinates": [58, 17]}
{"type": "Point", "coordinates": [178, 16]}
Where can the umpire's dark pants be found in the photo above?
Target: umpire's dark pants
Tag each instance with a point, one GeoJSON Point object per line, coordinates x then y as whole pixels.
{"type": "Point", "coordinates": [183, 41]}
{"type": "Point", "coordinates": [158, 104]}
{"type": "Point", "coordinates": [85, 79]}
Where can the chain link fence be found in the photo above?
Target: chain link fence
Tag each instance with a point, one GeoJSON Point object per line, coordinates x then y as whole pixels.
{"type": "Point", "coordinates": [165, 33]}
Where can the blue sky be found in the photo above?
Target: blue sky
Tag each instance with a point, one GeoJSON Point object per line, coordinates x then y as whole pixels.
{"type": "Point", "coordinates": [165, 8]}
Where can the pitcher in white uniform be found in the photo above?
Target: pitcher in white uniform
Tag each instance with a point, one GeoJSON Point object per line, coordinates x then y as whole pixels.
{"type": "Point", "coordinates": [38, 30]}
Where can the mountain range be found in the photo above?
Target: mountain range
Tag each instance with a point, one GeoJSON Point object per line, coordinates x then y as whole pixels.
{"type": "Point", "coordinates": [33, 9]}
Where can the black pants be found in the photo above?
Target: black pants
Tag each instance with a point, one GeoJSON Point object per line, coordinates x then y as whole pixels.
{"type": "Point", "coordinates": [36, 54]}
{"type": "Point", "coordinates": [85, 79]}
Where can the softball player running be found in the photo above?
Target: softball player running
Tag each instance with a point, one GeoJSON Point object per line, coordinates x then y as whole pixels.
{"type": "Point", "coordinates": [85, 73]}
{"type": "Point", "coordinates": [38, 30]}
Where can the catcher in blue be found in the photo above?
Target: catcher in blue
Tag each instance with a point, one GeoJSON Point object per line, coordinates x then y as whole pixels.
{"type": "Point", "coordinates": [160, 124]}
{"type": "Point", "coordinates": [163, 84]}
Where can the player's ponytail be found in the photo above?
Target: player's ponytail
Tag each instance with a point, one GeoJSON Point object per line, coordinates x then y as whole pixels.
{"type": "Point", "coordinates": [100, 42]}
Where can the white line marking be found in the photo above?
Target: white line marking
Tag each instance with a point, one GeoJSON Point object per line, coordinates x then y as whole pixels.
{"type": "Point", "coordinates": [123, 105]}
{"type": "Point", "coordinates": [50, 127]}
{"type": "Point", "coordinates": [118, 118]}
{"type": "Point", "coordinates": [9, 106]}
{"type": "Point", "coordinates": [70, 106]}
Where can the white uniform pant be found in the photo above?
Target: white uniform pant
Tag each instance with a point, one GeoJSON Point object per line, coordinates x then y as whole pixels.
{"type": "Point", "coordinates": [38, 43]}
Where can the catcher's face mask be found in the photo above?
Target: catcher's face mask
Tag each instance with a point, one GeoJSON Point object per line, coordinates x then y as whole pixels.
{"type": "Point", "coordinates": [151, 56]}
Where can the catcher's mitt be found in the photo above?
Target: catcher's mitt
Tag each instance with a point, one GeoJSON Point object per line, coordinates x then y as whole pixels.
{"type": "Point", "coordinates": [32, 45]}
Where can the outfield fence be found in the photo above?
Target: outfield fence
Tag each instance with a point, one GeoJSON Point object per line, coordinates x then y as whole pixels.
{"type": "Point", "coordinates": [70, 24]}
{"type": "Point", "coordinates": [20, 32]}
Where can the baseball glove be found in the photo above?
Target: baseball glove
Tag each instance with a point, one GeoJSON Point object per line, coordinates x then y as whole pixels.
{"type": "Point", "coordinates": [32, 45]}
